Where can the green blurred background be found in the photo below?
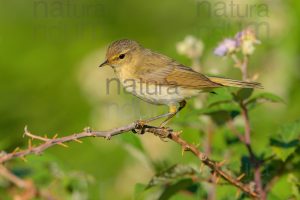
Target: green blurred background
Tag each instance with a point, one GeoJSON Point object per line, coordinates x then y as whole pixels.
{"type": "Point", "coordinates": [49, 80]}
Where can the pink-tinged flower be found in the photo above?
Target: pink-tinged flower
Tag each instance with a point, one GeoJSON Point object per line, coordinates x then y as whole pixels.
{"type": "Point", "coordinates": [226, 47]}
{"type": "Point", "coordinates": [247, 40]}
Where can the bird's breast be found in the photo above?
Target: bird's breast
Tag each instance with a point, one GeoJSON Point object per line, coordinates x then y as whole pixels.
{"type": "Point", "coordinates": [156, 93]}
{"type": "Point", "coordinates": [151, 92]}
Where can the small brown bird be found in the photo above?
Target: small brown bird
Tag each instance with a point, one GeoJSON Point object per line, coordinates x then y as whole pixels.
{"type": "Point", "coordinates": [158, 79]}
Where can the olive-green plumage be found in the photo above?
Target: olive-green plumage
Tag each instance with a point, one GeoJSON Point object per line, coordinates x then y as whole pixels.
{"type": "Point", "coordinates": [150, 70]}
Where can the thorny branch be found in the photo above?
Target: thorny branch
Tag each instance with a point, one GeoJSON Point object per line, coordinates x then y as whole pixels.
{"type": "Point", "coordinates": [138, 126]}
{"type": "Point", "coordinates": [246, 138]}
{"type": "Point", "coordinates": [4, 172]}
{"type": "Point", "coordinates": [254, 160]}
{"type": "Point", "coordinates": [29, 189]}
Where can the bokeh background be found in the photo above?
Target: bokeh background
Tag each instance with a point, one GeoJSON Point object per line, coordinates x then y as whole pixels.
{"type": "Point", "coordinates": [49, 80]}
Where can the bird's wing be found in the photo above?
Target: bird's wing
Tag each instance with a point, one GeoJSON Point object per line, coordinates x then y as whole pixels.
{"type": "Point", "coordinates": [165, 71]}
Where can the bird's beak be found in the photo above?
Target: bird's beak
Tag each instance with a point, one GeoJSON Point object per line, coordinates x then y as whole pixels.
{"type": "Point", "coordinates": [104, 63]}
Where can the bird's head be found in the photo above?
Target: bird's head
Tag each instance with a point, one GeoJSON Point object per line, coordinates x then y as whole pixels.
{"type": "Point", "coordinates": [121, 52]}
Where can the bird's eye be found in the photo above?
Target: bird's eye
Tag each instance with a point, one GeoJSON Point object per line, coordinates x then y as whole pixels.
{"type": "Point", "coordinates": [121, 56]}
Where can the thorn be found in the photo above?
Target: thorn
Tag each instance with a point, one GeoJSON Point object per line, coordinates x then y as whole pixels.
{"type": "Point", "coordinates": [214, 176]}
{"type": "Point", "coordinates": [76, 140]}
{"type": "Point", "coordinates": [23, 158]}
{"type": "Point", "coordinates": [63, 145]}
{"type": "Point", "coordinates": [201, 167]}
{"type": "Point", "coordinates": [29, 144]}
{"type": "Point", "coordinates": [45, 136]}
{"type": "Point", "coordinates": [177, 133]}
{"type": "Point", "coordinates": [220, 164]}
{"type": "Point", "coordinates": [16, 149]}
{"type": "Point", "coordinates": [25, 130]}
{"type": "Point", "coordinates": [55, 136]}
{"type": "Point", "coordinates": [241, 176]}
{"type": "Point", "coordinates": [197, 145]}
{"type": "Point", "coordinates": [237, 194]}
{"type": "Point", "coordinates": [182, 150]}
{"type": "Point", "coordinates": [217, 179]}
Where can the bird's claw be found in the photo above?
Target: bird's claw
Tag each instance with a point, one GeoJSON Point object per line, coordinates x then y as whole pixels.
{"type": "Point", "coordinates": [138, 131]}
{"type": "Point", "coordinates": [139, 128]}
{"type": "Point", "coordinates": [140, 124]}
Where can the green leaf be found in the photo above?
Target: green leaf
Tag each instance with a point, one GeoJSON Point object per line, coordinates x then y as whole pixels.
{"type": "Point", "coordinates": [160, 165]}
{"type": "Point", "coordinates": [220, 95]}
{"type": "Point", "coordinates": [229, 107]}
{"type": "Point", "coordinates": [243, 94]}
{"type": "Point", "coordinates": [294, 181]}
{"type": "Point", "coordinates": [281, 153]}
{"type": "Point", "coordinates": [263, 97]}
{"type": "Point", "coordinates": [171, 174]}
{"type": "Point", "coordinates": [222, 112]}
{"type": "Point", "coordinates": [173, 189]}
{"type": "Point", "coordinates": [138, 191]}
{"type": "Point", "coordinates": [246, 168]}
{"type": "Point", "coordinates": [286, 140]}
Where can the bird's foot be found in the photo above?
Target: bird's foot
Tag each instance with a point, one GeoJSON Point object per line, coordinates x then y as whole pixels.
{"type": "Point", "coordinates": [139, 127]}
{"type": "Point", "coordinates": [164, 123]}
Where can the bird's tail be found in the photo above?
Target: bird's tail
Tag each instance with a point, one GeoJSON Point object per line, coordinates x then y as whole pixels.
{"type": "Point", "coordinates": [235, 83]}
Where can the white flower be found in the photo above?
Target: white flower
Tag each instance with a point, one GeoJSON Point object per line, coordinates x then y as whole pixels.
{"type": "Point", "coordinates": [190, 47]}
{"type": "Point", "coordinates": [247, 40]}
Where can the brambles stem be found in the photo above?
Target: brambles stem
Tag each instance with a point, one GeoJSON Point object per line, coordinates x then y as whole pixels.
{"type": "Point", "coordinates": [161, 132]}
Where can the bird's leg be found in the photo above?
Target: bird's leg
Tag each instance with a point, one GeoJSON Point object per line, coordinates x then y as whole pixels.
{"type": "Point", "coordinates": [156, 117]}
{"type": "Point", "coordinates": [173, 110]}
{"type": "Point", "coordinates": [145, 121]}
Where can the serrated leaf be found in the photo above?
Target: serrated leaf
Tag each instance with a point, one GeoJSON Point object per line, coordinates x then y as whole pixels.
{"type": "Point", "coordinates": [294, 180]}
{"type": "Point", "coordinates": [281, 153]}
{"type": "Point", "coordinates": [286, 140]}
{"type": "Point", "coordinates": [289, 132]}
{"type": "Point", "coordinates": [171, 174]}
{"type": "Point", "coordinates": [221, 95]}
{"type": "Point", "coordinates": [262, 97]}
{"type": "Point", "coordinates": [222, 112]}
{"type": "Point", "coordinates": [229, 107]}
